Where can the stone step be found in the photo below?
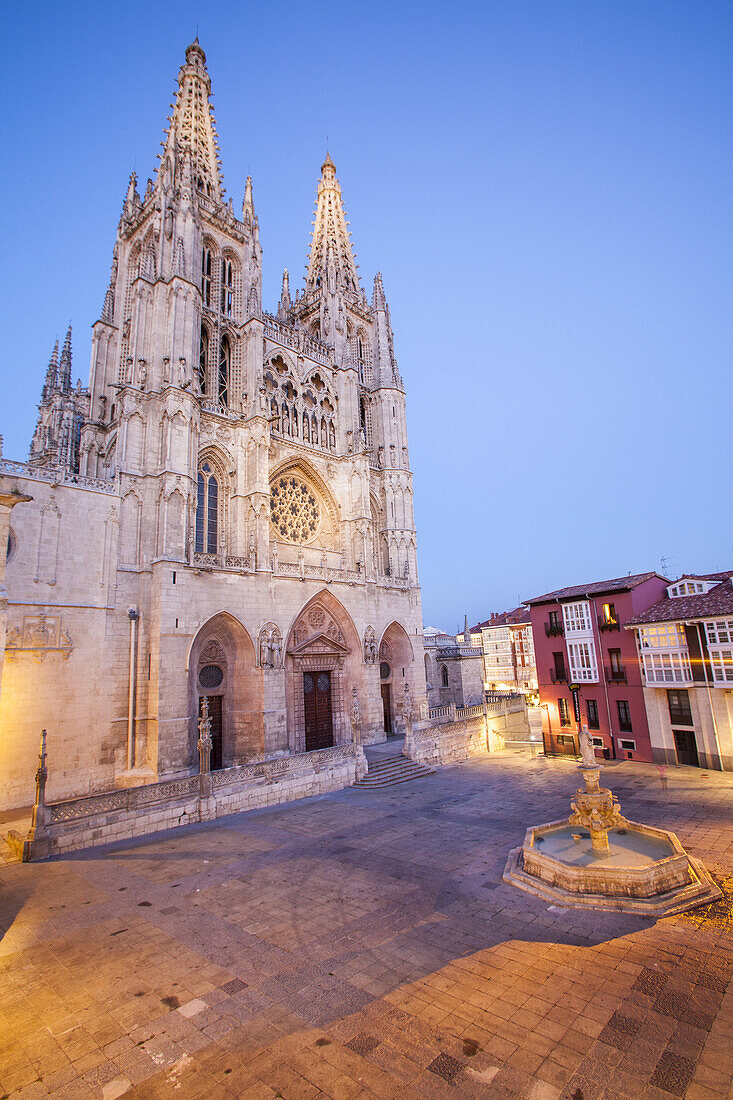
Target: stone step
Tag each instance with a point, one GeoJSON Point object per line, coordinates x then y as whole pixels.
{"type": "Point", "coordinates": [391, 771]}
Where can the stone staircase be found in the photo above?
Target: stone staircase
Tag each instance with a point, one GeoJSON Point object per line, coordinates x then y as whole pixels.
{"type": "Point", "coordinates": [388, 771]}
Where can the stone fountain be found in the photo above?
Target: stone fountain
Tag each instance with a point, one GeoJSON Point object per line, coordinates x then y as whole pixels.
{"type": "Point", "coordinates": [596, 858]}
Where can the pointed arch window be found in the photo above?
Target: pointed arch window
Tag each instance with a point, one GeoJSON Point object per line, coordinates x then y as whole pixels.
{"type": "Point", "coordinates": [203, 358]}
{"type": "Point", "coordinates": [206, 276]}
{"type": "Point", "coordinates": [227, 287]}
{"type": "Point", "coordinates": [207, 510]}
{"type": "Point", "coordinates": [225, 362]}
{"type": "Point", "coordinates": [444, 676]}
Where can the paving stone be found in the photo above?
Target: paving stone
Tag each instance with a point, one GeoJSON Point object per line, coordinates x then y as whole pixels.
{"type": "Point", "coordinates": [362, 921]}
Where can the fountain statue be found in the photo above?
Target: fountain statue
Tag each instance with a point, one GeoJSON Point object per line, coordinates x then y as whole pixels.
{"type": "Point", "coordinates": [599, 859]}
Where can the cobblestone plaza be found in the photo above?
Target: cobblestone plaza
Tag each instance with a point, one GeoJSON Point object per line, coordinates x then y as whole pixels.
{"type": "Point", "coordinates": [362, 943]}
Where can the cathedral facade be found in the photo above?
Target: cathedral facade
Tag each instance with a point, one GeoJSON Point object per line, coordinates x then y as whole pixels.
{"type": "Point", "coordinates": [223, 515]}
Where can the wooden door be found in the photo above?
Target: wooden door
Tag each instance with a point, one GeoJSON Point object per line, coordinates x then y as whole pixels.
{"type": "Point", "coordinates": [686, 747]}
{"type": "Point", "coordinates": [318, 716]}
{"type": "Point", "coordinates": [217, 753]}
{"type": "Point", "coordinates": [387, 708]}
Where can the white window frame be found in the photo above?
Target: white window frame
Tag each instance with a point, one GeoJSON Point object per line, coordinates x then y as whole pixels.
{"type": "Point", "coordinates": [721, 662]}
{"type": "Point", "coordinates": [627, 744]}
{"type": "Point", "coordinates": [719, 632]}
{"type": "Point", "coordinates": [582, 662]}
{"type": "Point", "coordinates": [667, 667]}
{"type": "Point", "coordinates": [577, 617]}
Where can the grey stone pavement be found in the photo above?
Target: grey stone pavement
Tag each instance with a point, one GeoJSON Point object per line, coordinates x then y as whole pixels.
{"type": "Point", "coordinates": [362, 944]}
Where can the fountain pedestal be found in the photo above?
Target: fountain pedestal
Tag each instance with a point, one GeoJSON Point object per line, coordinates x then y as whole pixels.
{"type": "Point", "coordinates": [596, 809]}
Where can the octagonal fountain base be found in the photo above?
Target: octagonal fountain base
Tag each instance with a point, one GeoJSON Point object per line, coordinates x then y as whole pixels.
{"type": "Point", "coordinates": [624, 880]}
{"type": "Point", "coordinates": [597, 859]}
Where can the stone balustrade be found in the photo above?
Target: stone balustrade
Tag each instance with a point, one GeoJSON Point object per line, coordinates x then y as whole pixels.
{"type": "Point", "coordinates": [137, 811]}
{"type": "Point", "coordinates": [58, 476]}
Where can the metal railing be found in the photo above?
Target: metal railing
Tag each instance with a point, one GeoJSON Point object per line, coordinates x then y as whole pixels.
{"type": "Point", "coordinates": [554, 630]}
{"type": "Point", "coordinates": [616, 676]}
{"type": "Point", "coordinates": [558, 676]}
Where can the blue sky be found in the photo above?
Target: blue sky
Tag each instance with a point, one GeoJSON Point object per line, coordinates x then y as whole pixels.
{"type": "Point", "coordinates": [546, 190]}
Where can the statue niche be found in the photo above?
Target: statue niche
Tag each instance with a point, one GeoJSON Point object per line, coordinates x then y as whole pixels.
{"type": "Point", "coordinates": [271, 646]}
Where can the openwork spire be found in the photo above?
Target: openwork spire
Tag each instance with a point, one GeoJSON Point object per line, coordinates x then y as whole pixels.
{"type": "Point", "coordinates": [65, 364]}
{"type": "Point", "coordinates": [52, 373]}
{"type": "Point", "coordinates": [331, 264]}
{"type": "Point", "coordinates": [192, 130]}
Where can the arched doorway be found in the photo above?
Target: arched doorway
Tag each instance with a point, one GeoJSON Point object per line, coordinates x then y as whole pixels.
{"type": "Point", "coordinates": [221, 669]}
{"type": "Point", "coordinates": [395, 669]}
{"type": "Point", "coordinates": [322, 663]}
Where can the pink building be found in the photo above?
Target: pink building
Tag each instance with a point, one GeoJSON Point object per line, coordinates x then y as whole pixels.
{"type": "Point", "coordinates": [580, 644]}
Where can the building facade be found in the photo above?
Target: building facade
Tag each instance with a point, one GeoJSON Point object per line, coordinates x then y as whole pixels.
{"type": "Point", "coordinates": [685, 644]}
{"type": "Point", "coordinates": [453, 670]}
{"type": "Point", "coordinates": [508, 651]}
{"type": "Point", "coordinates": [580, 643]}
{"type": "Point", "coordinates": [225, 513]}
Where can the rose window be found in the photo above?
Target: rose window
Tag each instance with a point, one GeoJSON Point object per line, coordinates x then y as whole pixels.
{"type": "Point", "coordinates": [294, 510]}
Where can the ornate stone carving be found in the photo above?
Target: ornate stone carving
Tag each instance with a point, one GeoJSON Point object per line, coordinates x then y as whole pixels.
{"type": "Point", "coordinates": [294, 510]}
{"type": "Point", "coordinates": [213, 651]}
{"type": "Point", "coordinates": [39, 635]}
{"type": "Point", "coordinates": [271, 646]}
{"type": "Point", "coordinates": [370, 646]}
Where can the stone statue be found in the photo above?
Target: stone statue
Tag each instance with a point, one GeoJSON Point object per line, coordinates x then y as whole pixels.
{"type": "Point", "coordinates": [586, 749]}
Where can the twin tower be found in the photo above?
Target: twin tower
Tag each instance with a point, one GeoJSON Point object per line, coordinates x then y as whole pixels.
{"type": "Point", "coordinates": [257, 464]}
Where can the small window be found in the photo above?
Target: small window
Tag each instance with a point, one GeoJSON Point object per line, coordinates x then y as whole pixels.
{"type": "Point", "coordinates": [554, 619]}
{"type": "Point", "coordinates": [624, 716]}
{"type": "Point", "coordinates": [629, 745]}
{"type": "Point", "coordinates": [598, 742]}
{"type": "Point", "coordinates": [592, 711]}
{"type": "Point", "coordinates": [384, 671]}
{"type": "Point", "coordinates": [614, 656]}
{"type": "Point", "coordinates": [609, 613]}
{"type": "Point", "coordinates": [562, 709]}
{"type": "Point", "coordinates": [444, 676]}
{"type": "Point", "coordinates": [12, 545]}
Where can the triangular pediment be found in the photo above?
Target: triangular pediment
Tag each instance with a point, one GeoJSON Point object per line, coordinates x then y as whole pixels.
{"type": "Point", "coordinates": [321, 644]}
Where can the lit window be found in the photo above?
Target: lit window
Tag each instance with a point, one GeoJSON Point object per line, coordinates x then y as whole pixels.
{"type": "Point", "coordinates": [663, 636]}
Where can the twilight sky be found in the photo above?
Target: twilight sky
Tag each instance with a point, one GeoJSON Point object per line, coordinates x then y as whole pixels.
{"type": "Point", "coordinates": [546, 188]}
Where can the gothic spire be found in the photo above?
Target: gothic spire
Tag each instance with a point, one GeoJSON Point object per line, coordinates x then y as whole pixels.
{"type": "Point", "coordinates": [52, 373]}
{"type": "Point", "coordinates": [192, 130]}
{"type": "Point", "coordinates": [330, 244]}
{"type": "Point", "coordinates": [65, 364]}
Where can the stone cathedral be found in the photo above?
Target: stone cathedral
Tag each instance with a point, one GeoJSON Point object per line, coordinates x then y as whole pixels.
{"type": "Point", "coordinates": [225, 513]}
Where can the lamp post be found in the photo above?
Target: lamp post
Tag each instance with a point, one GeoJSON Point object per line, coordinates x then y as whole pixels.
{"type": "Point", "coordinates": [546, 706]}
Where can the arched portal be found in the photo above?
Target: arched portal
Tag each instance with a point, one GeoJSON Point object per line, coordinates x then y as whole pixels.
{"type": "Point", "coordinates": [323, 662]}
{"type": "Point", "coordinates": [395, 670]}
{"type": "Point", "coordinates": [221, 668]}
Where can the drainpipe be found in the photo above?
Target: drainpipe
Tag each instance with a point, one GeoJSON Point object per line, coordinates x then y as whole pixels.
{"type": "Point", "coordinates": [703, 649]}
{"type": "Point", "coordinates": [602, 672]}
{"type": "Point", "coordinates": [132, 694]}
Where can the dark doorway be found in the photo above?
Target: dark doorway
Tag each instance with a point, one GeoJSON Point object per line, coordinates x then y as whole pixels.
{"type": "Point", "coordinates": [318, 718]}
{"type": "Point", "coordinates": [387, 708]}
{"type": "Point", "coordinates": [217, 754]}
{"type": "Point", "coordinates": [686, 746]}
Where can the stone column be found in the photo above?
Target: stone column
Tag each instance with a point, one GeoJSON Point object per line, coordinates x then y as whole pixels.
{"type": "Point", "coordinates": [207, 803]}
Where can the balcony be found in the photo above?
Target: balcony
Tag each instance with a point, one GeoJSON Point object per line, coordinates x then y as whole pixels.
{"type": "Point", "coordinates": [608, 624]}
{"type": "Point", "coordinates": [558, 676]}
{"type": "Point", "coordinates": [554, 630]}
{"type": "Point", "coordinates": [616, 676]}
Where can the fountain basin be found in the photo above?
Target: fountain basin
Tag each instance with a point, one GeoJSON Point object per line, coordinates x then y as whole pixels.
{"type": "Point", "coordinates": [641, 862]}
{"type": "Point", "coordinates": [645, 871]}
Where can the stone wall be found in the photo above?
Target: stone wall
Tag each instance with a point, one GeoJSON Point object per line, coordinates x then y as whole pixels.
{"type": "Point", "coordinates": [455, 734]}
{"type": "Point", "coordinates": [139, 811]}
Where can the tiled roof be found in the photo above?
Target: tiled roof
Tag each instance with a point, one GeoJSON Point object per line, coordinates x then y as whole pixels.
{"type": "Point", "coordinates": [718, 601]}
{"type": "Point", "coordinates": [596, 588]}
{"type": "Point", "coordinates": [519, 616]}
